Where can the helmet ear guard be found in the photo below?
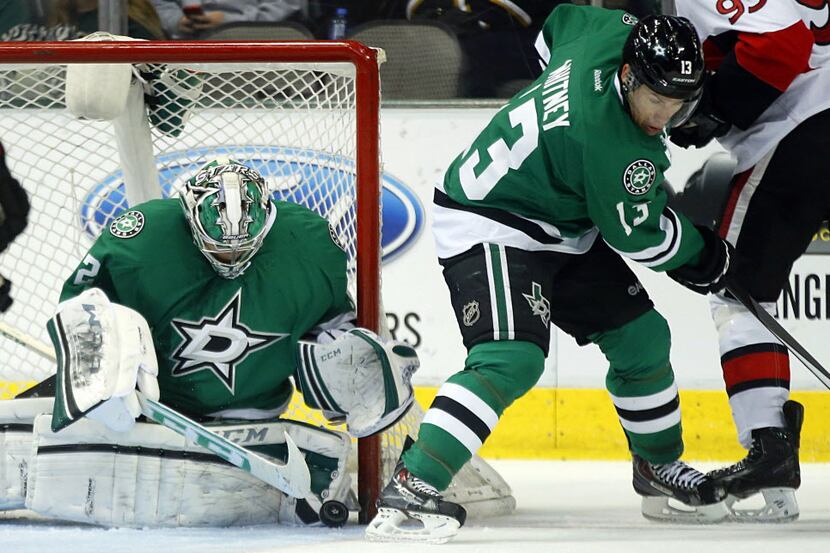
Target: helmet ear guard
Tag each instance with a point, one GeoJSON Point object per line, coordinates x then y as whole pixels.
{"type": "Point", "coordinates": [664, 53]}
{"type": "Point", "coordinates": [228, 208]}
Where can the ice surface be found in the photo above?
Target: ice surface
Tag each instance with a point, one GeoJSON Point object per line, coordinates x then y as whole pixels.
{"type": "Point", "coordinates": [564, 507]}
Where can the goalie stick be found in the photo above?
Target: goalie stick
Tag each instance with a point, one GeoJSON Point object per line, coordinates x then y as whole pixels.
{"type": "Point", "coordinates": [292, 478]}
{"type": "Point", "coordinates": [786, 338]}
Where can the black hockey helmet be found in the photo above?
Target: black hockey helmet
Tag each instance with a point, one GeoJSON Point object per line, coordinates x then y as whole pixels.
{"type": "Point", "coordinates": [664, 53]}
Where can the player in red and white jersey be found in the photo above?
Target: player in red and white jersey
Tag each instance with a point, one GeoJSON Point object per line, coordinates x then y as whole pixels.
{"type": "Point", "coordinates": [768, 103]}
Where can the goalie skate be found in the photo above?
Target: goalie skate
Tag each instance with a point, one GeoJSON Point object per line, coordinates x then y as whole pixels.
{"type": "Point", "coordinates": [675, 492]}
{"type": "Point", "coordinates": [411, 510]}
{"type": "Point", "coordinates": [770, 468]}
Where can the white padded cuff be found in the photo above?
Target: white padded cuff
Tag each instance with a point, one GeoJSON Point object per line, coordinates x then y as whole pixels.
{"type": "Point", "coordinates": [98, 91]}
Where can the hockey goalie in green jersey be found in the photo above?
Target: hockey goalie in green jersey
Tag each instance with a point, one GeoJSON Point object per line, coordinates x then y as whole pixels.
{"type": "Point", "coordinates": [211, 303]}
{"type": "Point", "coordinates": [531, 224]}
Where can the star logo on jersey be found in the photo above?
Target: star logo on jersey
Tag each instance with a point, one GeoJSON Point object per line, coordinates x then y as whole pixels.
{"type": "Point", "coordinates": [659, 50]}
{"type": "Point", "coordinates": [218, 344]}
{"type": "Point", "coordinates": [539, 304]}
{"type": "Point", "coordinates": [128, 225]}
{"type": "Point", "coordinates": [639, 176]}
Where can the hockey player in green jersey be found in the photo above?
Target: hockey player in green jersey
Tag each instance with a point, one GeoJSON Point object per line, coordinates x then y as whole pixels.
{"type": "Point", "coordinates": [216, 330]}
{"type": "Point", "coordinates": [531, 224]}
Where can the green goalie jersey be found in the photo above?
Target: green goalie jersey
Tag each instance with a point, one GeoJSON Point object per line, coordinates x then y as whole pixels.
{"type": "Point", "coordinates": [564, 161]}
{"type": "Point", "coordinates": [221, 344]}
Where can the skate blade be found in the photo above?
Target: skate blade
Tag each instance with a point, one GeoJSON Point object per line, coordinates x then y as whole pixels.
{"type": "Point", "coordinates": [660, 510]}
{"type": "Point", "coordinates": [394, 525]}
{"type": "Point", "coordinates": [780, 505]}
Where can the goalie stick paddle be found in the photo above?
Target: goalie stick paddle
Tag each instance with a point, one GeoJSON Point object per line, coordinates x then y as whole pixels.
{"type": "Point", "coordinates": [786, 338]}
{"type": "Point", "coordinates": [292, 478]}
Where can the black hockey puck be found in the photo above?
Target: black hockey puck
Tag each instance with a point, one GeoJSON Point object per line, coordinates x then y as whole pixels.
{"type": "Point", "coordinates": [334, 514]}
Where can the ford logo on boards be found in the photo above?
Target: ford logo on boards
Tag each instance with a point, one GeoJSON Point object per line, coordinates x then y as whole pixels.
{"type": "Point", "coordinates": [322, 182]}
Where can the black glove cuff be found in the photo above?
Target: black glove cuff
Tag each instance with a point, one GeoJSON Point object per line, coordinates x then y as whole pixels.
{"type": "Point", "coordinates": [5, 294]}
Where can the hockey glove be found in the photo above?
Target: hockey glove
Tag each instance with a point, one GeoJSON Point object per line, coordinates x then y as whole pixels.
{"type": "Point", "coordinates": [357, 377]}
{"type": "Point", "coordinates": [14, 205]}
{"type": "Point", "coordinates": [714, 268]}
{"type": "Point", "coordinates": [104, 351]}
{"type": "Point", "coordinates": [5, 294]}
{"type": "Point", "coordinates": [704, 124]}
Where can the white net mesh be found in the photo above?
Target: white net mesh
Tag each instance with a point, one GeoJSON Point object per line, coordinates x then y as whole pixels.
{"type": "Point", "coordinates": [294, 123]}
{"type": "Point", "coordinates": [296, 127]}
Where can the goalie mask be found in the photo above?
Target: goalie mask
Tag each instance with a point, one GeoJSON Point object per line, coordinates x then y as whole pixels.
{"type": "Point", "coordinates": [229, 211]}
{"type": "Point", "coordinates": [664, 54]}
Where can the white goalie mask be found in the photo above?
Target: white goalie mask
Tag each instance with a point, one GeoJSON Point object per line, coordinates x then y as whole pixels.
{"type": "Point", "coordinates": [229, 210]}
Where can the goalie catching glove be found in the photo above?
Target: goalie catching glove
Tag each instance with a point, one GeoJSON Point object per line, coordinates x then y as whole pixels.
{"type": "Point", "coordinates": [357, 377]}
{"type": "Point", "coordinates": [103, 351]}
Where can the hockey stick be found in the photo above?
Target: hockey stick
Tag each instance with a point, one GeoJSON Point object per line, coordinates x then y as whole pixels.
{"type": "Point", "coordinates": [21, 338]}
{"type": "Point", "coordinates": [786, 338]}
{"type": "Point", "coordinates": [292, 478]}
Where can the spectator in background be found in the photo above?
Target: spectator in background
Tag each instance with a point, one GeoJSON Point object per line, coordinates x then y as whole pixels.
{"type": "Point", "coordinates": [191, 18]}
{"type": "Point", "coordinates": [497, 38]}
{"type": "Point", "coordinates": [70, 19]}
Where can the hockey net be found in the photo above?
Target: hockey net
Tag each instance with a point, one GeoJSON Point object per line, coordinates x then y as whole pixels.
{"type": "Point", "coordinates": [305, 115]}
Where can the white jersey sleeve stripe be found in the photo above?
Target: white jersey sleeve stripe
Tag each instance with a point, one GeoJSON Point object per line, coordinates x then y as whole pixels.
{"type": "Point", "coordinates": [661, 253]}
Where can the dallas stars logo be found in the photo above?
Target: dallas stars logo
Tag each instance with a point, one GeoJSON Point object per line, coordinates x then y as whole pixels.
{"type": "Point", "coordinates": [218, 344]}
{"type": "Point", "coordinates": [539, 304]}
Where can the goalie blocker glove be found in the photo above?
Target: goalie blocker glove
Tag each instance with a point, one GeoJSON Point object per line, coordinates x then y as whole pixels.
{"type": "Point", "coordinates": [359, 378]}
{"type": "Point", "coordinates": [713, 269]}
{"type": "Point", "coordinates": [103, 350]}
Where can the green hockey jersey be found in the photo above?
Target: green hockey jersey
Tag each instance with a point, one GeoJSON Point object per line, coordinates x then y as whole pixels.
{"type": "Point", "coordinates": [221, 344]}
{"type": "Point", "coordinates": [563, 162]}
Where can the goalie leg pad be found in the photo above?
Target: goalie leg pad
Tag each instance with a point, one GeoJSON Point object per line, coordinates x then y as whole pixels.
{"type": "Point", "coordinates": [359, 377]}
{"type": "Point", "coordinates": [16, 423]}
{"type": "Point", "coordinates": [151, 477]}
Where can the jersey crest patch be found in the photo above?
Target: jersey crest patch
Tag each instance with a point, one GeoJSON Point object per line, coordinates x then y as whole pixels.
{"type": "Point", "coordinates": [639, 176]}
{"type": "Point", "coordinates": [128, 224]}
{"type": "Point", "coordinates": [218, 344]}
{"type": "Point", "coordinates": [629, 19]}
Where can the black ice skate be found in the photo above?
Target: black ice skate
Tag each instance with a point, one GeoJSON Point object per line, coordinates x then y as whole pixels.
{"type": "Point", "coordinates": [702, 500]}
{"type": "Point", "coordinates": [409, 509]}
{"type": "Point", "coordinates": [770, 468]}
